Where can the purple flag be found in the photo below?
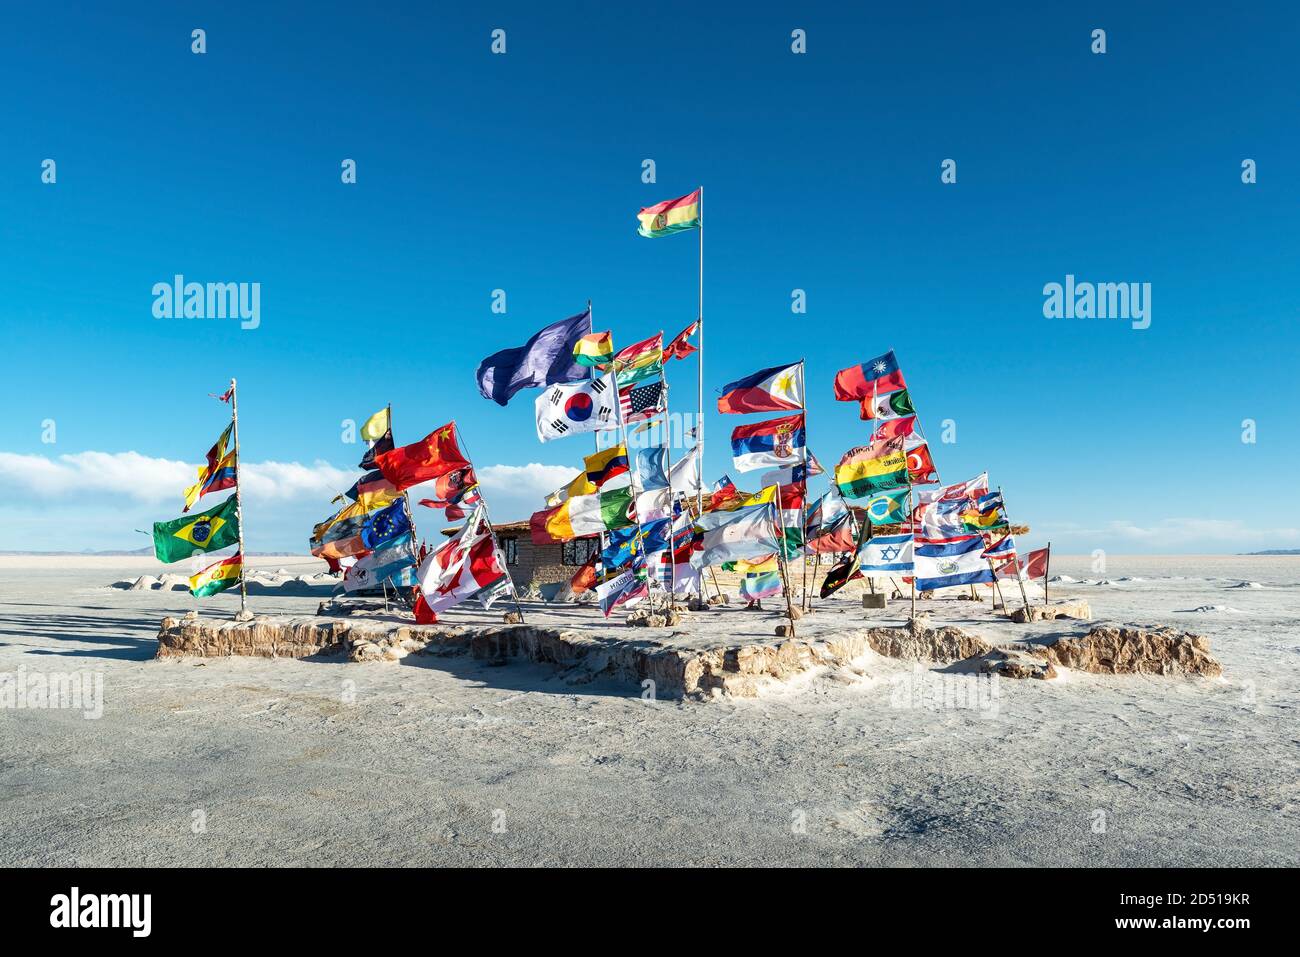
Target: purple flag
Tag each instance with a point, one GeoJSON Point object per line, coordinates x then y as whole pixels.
{"type": "Point", "coordinates": [543, 360]}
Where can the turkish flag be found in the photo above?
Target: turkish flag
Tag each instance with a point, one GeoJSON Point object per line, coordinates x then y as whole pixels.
{"type": "Point", "coordinates": [432, 457]}
{"type": "Point", "coordinates": [920, 467]}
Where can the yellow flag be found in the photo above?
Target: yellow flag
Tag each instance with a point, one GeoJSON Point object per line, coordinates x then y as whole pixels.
{"type": "Point", "coordinates": [375, 426]}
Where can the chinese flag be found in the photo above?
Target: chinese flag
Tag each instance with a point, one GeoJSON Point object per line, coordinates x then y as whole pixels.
{"type": "Point", "coordinates": [433, 456]}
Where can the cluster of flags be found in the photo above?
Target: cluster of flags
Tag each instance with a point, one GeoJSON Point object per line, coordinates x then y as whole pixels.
{"type": "Point", "coordinates": [628, 498]}
{"type": "Point", "coordinates": [214, 528]}
{"type": "Point", "coordinates": [938, 538]}
{"type": "Point", "coordinates": [372, 536]}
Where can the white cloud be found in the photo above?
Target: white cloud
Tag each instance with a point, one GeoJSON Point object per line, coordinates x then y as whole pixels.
{"type": "Point", "coordinates": [65, 496]}
{"type": "Point", "coordinates": [534, 479]}
{"type": "Point", "coordinates": [146, 479]}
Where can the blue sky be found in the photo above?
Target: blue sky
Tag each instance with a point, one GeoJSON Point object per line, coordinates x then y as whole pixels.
{"type": "Point", "coordinates": [523, 172]}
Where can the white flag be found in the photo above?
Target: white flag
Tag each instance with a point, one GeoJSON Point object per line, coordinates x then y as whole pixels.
{"type": "Point", "coordinates": [573, 407]}
{"type": "Point", "coordinates": [684, 476]}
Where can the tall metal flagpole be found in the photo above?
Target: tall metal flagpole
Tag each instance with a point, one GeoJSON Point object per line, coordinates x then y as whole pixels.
{"type": "Point", "coordinates": [699, 424]}
{"type": "Point", "coordinates": [239, 501]}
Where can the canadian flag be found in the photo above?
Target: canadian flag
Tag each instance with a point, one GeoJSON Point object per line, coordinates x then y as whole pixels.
{"type": "Point", "coordinates": [463, 566]}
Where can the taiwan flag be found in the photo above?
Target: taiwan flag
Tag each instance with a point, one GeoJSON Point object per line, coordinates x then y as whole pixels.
{"type": "Point", "coordinates": [875, 376]}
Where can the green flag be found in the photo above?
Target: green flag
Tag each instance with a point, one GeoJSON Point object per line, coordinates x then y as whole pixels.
{"type": "Point", "coordinates": [206, 532]}
{"type": "Point", "coordinates": [887, 508]}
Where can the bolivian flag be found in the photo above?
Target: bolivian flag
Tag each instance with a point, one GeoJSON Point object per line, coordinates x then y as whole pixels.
{"type": "Point", "coordinates": [183, 537]}
{"type": "Point", "coordinates": [224, 574]}
{"type": "Point", "coordinates": [872, 468]}
{"type": "Point", "coordinates": [594, 350]}
{"type": "Point", "coordinates": [670, 216]}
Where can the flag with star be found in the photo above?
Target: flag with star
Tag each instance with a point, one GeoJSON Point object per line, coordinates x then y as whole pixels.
{"type": "Point", "coordinates": [642, 401]}
{"type": "Point", "coordinates": [883, 555]}
{"type": "Point", "coordinates": [206, 532]}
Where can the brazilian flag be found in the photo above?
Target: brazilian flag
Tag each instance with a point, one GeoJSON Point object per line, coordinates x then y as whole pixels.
{"type": "Point", "coordinates": [206, 532]}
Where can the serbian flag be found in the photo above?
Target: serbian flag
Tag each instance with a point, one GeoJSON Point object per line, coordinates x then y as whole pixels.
{"type": "Point", "coordinates": [681, 347]}
{"type": "Point", "coordinates": [775, 443]}
{"type": "Point", "coordinates": [432, 457]}
{"type": "Point", "coordinates": [880, 374]}
{"type": "Point", "coordinates": [768, 390]}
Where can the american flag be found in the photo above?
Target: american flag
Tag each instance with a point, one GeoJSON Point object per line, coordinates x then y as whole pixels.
{"type": "Point", "coordinates": [641, 401]}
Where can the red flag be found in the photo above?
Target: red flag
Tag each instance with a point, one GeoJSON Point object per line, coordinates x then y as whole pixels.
{"type": "Point", "coordinates": [894, 428]}
{"type": "Point", "coordinates": [432, 457]}
{"type": "Point", "coordinates": [585, 579]}
{"type": "Point", "coordinates": [451, 486]}
{"type": "Point", "coordinates": [423, 613]}
{"type": "Point", "coordinates": [920, 467]}
{"type": "Point", "coordinates": [680, 348]}
{"type": "Point", "coordinates": [841, 539]}
{"type": "Point", "coordinates": [1034, 564]}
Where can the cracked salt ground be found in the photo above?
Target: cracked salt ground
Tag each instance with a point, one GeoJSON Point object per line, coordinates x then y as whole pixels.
{"type": "Point", "coordinates": [1186, 771]}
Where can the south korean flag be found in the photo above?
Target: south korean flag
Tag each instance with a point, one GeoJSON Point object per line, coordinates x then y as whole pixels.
{"type": "Point", "coordinates": [573, 407]}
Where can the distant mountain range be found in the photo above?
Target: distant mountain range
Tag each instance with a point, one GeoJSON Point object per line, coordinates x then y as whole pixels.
{"type": "Point", "coordinates": [1277, 551]}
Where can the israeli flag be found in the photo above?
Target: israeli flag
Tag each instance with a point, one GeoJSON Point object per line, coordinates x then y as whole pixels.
{"type": "Point", "coordinates": [886, 555]}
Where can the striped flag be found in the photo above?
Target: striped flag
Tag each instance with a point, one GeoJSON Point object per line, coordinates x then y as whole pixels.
{"type": "Point", "coordinates": [670, 216]}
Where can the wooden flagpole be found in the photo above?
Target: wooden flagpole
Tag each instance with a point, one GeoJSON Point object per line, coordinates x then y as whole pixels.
{"type": "Point", "coordinates": [911, 518]}
{"type": "Point", "coordinates": [239, 503]}
{"type": "Point", "coordinates": [803, 510]}
{"type": "Point", "coordinates": [1003, 503]}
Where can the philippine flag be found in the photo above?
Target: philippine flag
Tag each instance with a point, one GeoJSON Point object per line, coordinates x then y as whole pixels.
{"type": "Point", "coordinates": [958, 561]}
{"type": "Point", "coordinates": [776, 443]}
{"type": "Point", "coordinates": [770, 390]}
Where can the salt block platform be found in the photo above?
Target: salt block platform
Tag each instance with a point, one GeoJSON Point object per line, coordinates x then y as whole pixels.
{"type": "Point", "coordinates": [718, 652]}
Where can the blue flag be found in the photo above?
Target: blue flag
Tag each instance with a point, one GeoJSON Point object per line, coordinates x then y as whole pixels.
{"type": "Point", "coordinates": [545, 359]}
